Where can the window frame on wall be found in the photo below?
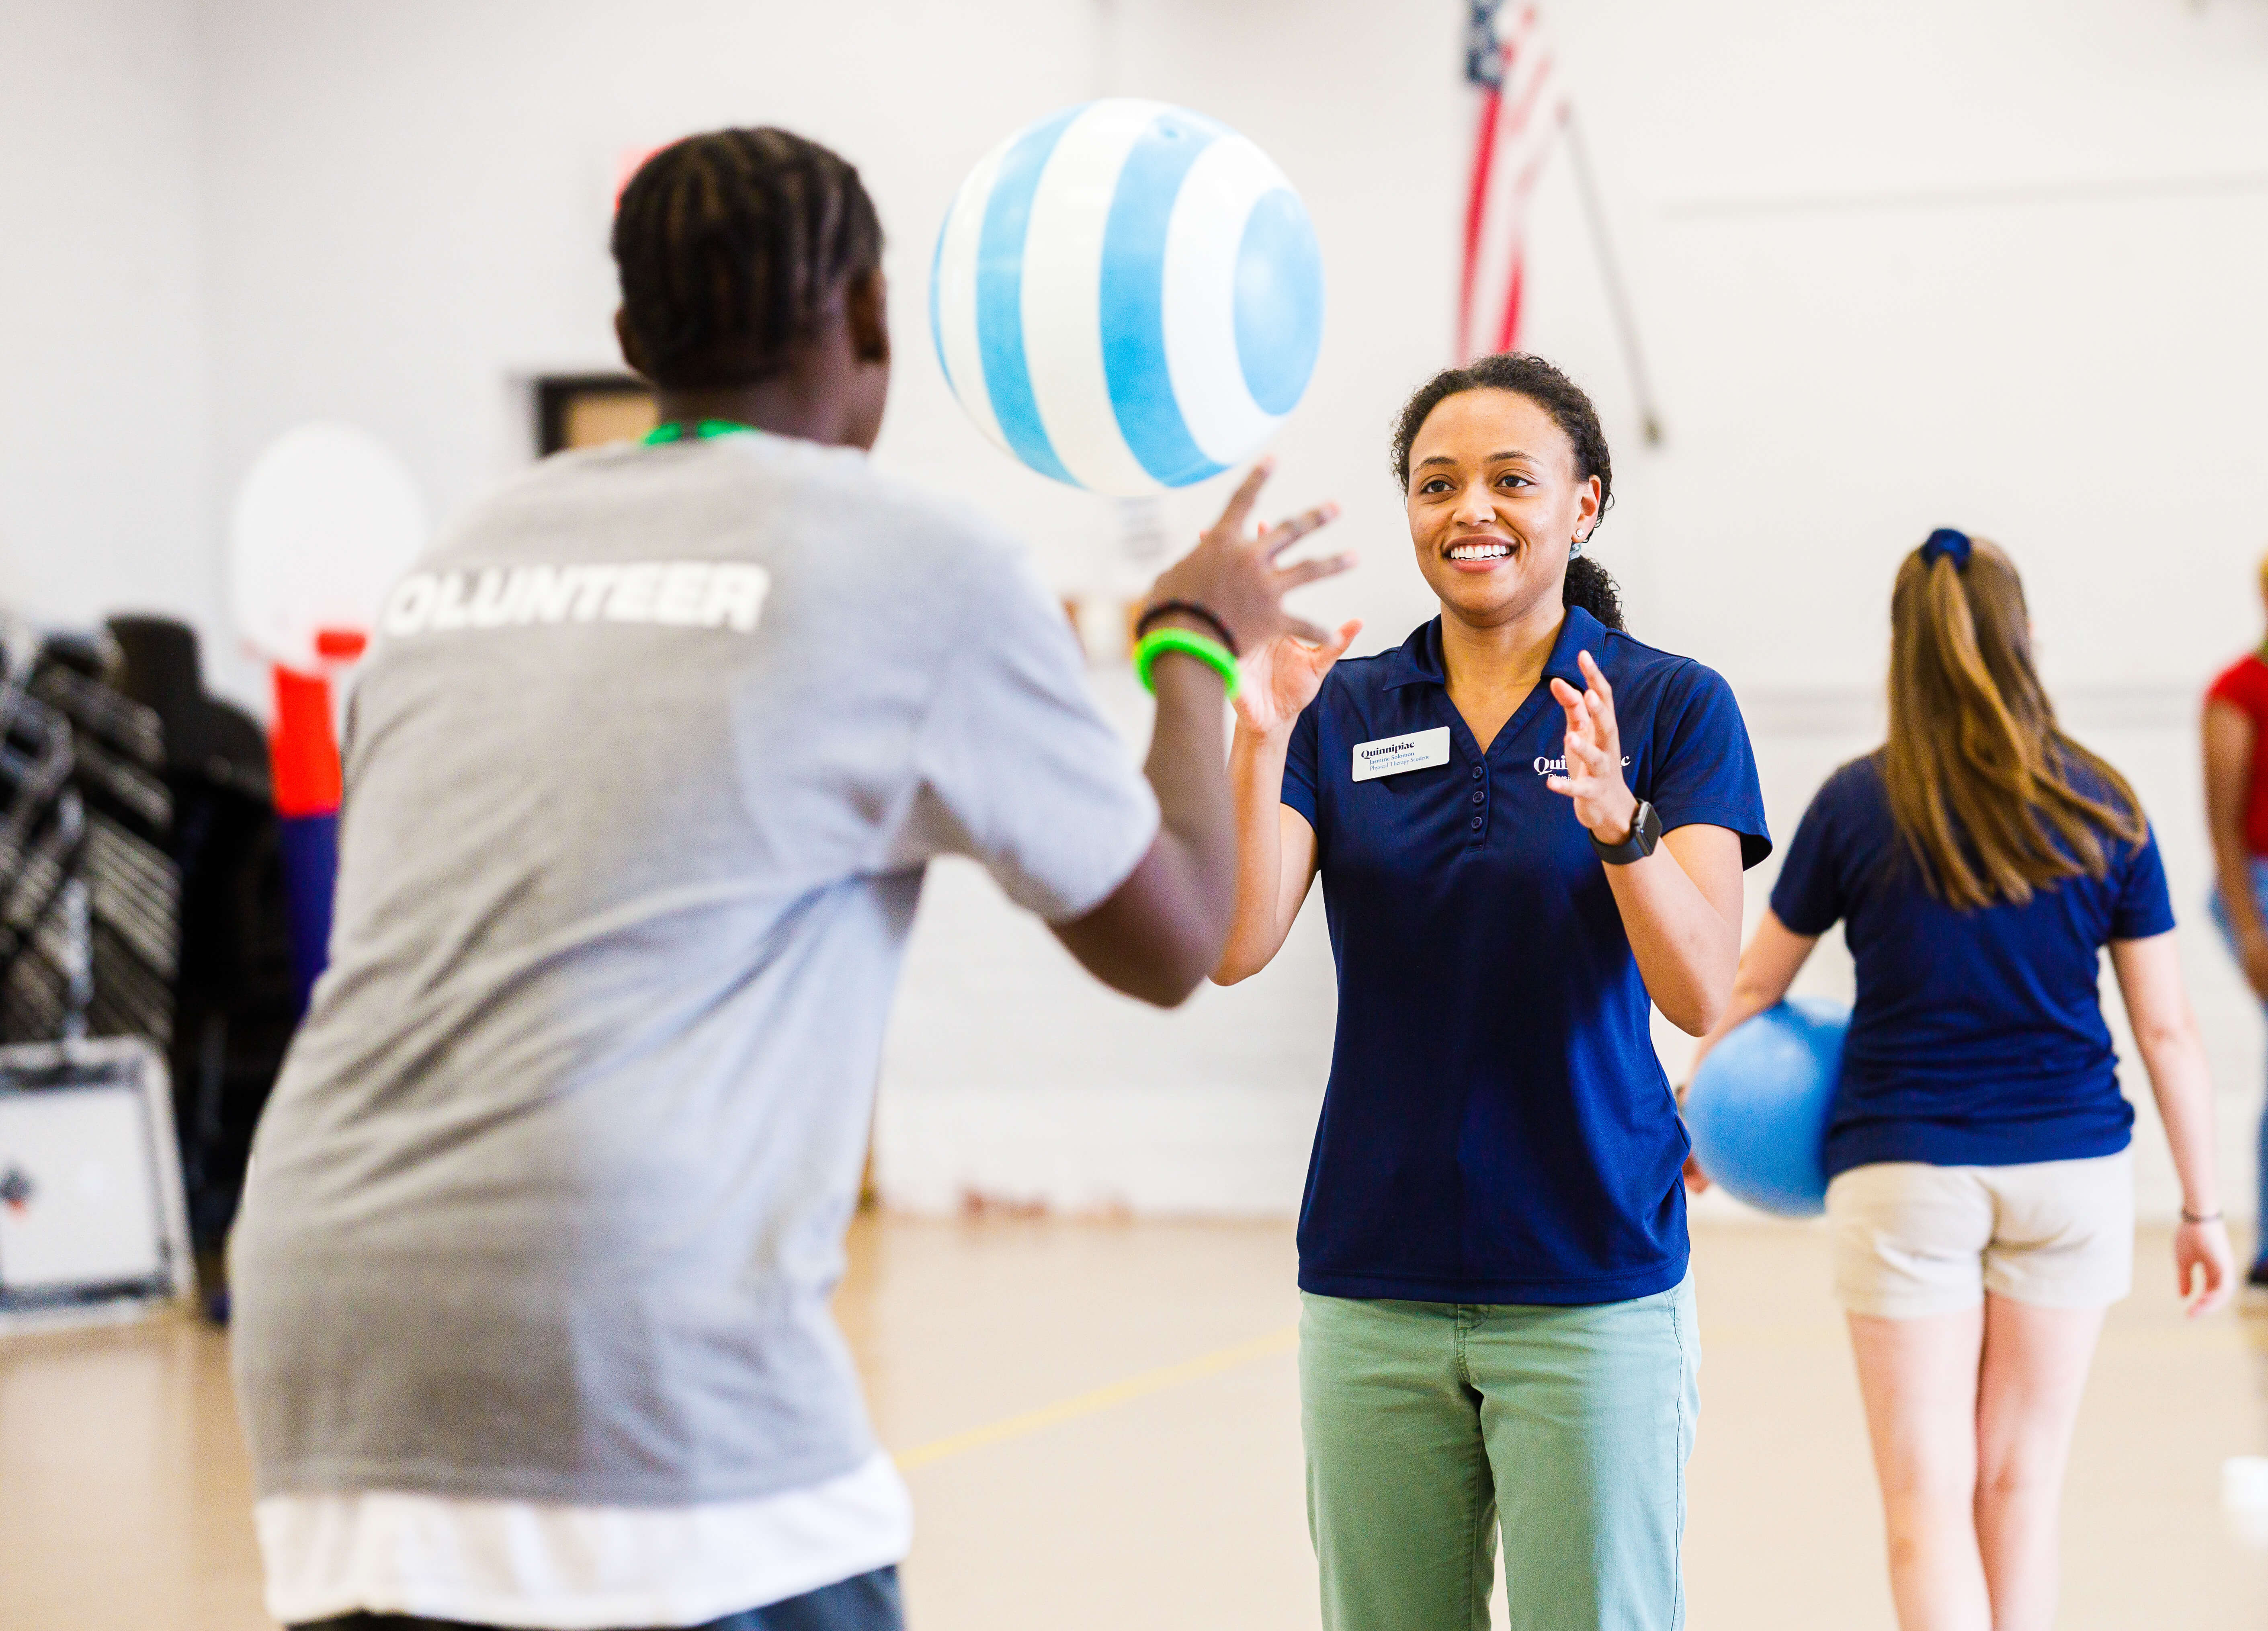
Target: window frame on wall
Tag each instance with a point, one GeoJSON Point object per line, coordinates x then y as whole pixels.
{"type": "Point", "coordinates": [557, 394]}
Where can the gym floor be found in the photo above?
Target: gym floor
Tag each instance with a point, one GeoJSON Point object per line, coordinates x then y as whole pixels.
{"type": "Point", "coordinates": [1101, 1425]}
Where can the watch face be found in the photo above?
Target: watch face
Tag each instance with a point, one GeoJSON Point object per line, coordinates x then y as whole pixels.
{"type": "Point", "coordinates": [1645, 834]}
{"type": "Point", "coordinates": [1646, 831]}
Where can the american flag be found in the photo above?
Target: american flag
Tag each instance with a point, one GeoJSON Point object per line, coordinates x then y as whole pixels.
{"type": "Point", "coordinates": [1519, 114]}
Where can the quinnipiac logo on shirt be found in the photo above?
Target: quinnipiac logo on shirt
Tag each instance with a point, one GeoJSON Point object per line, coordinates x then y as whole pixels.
{"type": "Point", "coordinates": [683, 595]}
{"type": "Point", "coordinates": [1559, 767]}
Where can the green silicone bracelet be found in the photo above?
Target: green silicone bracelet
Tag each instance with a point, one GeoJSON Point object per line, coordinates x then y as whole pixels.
{"type": "Point", "coordinates": [1205, 649]}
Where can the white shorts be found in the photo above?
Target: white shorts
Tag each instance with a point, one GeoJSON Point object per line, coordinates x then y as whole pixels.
{"type": "Point", "coordinates": [1912, 1239]}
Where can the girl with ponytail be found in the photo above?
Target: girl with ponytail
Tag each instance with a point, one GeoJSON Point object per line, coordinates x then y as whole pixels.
{"type": "Point", "coordinates": [1981, 1192]}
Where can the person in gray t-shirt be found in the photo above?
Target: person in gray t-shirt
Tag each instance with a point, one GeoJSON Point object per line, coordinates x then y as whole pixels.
{"type": "Point", "coordinates": [642, 773]}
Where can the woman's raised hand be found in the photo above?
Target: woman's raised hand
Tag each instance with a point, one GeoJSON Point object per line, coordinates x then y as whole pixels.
{"type": "Point", "coordinates": [1233, 573]}
{"type": "Point", "coordinates": [1593, 778]}
{"type": "Point", "coordinates": [1283, 677]}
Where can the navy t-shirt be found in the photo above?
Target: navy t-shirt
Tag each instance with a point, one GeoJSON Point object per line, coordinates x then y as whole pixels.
{"type": "Point", "coordinates": [1977, 1039]}
{"type": "Point", "coordinates": [1498, 1127]}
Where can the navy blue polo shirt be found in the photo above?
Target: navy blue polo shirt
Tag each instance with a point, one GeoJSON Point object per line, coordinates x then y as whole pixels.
{"type": "Point", "coordinates": [1976, 1038]}
{"type": "Point", "coordinates": [1498, 1127]}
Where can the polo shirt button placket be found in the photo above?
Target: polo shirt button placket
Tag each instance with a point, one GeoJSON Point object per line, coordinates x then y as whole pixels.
{"type": "Point", "coordinates": [1480, 802]}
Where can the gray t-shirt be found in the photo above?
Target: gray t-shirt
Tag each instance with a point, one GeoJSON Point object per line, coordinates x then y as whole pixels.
{"type": "Point", "coordinates": [641, 775]}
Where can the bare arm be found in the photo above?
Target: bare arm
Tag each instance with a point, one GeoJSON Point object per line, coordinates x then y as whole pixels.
{"type": "Point", "coordinates": [2150, 979]}
{"type": "Point", "coordinates": [1275, 856]}
{"type": "Point", "coordinates": [1680, 906]}
{"type": "Point", "coordinates": [1160, 931]}
{"type": "Point", "coordinates": [1775, 955]}
{"type": "Point", "coordinates": [2229, 743]}
{"type": "Point", "coordinates": [1275, 846]}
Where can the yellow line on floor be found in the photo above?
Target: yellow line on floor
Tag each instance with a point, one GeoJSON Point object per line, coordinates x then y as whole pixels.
{"type": "Point", "coordinates": [1769, 1335]}
{"type": "Point", "coordinates": [1102, 1397]}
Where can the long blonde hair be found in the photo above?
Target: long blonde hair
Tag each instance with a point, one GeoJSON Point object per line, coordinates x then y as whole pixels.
{"type": "Point", "coordinates": [1980, 776]}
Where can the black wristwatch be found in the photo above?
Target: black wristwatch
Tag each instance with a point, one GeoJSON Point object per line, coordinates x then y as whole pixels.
{"type": "Point", "coordinates": [1645, 834]}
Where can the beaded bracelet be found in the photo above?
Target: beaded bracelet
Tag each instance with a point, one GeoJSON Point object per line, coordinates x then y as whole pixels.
{"type": "Point", "coordinates": [1211, 653]}
{"type": "Point", "coordinates": [1186, 608]}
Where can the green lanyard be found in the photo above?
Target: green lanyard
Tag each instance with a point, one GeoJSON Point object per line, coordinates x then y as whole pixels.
{"type": "Point", "coordinates": [677, 431]}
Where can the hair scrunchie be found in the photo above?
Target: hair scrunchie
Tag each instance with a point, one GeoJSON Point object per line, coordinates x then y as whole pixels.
{"type": "Point", "coordinates": [1944, 542]}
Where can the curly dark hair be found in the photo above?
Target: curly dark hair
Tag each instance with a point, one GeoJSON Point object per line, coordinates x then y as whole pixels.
{"type": "Point", "coordinates": [1588, 585]}
{"type": "Point", "coordinates": [731, 247]}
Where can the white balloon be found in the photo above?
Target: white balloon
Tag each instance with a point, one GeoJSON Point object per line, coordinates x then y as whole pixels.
{"type": "Point", "coordinates": [325, 520]}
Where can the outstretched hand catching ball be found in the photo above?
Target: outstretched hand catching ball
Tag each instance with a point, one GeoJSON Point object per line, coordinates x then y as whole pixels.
{"type": "Point", "coordinates": [1236, 575]}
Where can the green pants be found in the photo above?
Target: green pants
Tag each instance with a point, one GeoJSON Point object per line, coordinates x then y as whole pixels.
{"type": "Point", "coordinates": [1428, 1424]}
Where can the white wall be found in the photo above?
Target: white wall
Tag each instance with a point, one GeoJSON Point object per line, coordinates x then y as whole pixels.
{"type": "Point", "coordinates": [103, 417]}
{"type": "Point", "coordinates": [1989, 264]}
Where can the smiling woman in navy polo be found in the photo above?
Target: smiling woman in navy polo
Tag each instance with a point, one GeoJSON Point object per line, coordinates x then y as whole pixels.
{"type": "Point", "coordinates": [1531, 827]}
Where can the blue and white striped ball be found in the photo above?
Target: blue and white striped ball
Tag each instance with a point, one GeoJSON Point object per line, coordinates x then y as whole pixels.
{"type": "Point", "coordinates": [1127, 296]}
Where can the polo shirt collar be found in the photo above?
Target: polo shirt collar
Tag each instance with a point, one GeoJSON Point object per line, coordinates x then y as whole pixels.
{"type": "Point", "coordinates": [1417, 659]}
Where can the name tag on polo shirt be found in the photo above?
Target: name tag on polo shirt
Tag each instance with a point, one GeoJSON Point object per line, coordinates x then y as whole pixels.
{"type": "Point", "coordinates": [1391, 755]}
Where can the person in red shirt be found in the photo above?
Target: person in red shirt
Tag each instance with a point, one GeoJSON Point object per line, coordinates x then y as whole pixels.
{"type": "Point", "coordinates": [2237, 810]}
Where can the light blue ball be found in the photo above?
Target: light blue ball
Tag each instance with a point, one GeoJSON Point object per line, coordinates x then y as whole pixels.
{"type": "Point", "coordinates": [1127, 296]}
{"type": "Point", "coordinates": [1759, 1105]}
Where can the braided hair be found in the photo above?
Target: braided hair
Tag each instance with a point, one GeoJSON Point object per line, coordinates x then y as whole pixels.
{"type": "Point", "coordinates": [1588, 585]}
{"type": "Point", "coordinates": [732, 246]}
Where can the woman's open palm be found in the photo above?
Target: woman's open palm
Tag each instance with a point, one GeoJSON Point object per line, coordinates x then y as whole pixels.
{"type": "Point", "coordinates": [1593, 781]}
{"type": "Point", "coordinates": [1282, 677]}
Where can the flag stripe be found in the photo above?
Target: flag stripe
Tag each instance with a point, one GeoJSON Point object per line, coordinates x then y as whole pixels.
{"type": "Point", "coordinates": [1476, 208]}
{"type": "Point", "coordinates": [1508, 329]}
{"type": "Point", "coordinates": [1517, 124]}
